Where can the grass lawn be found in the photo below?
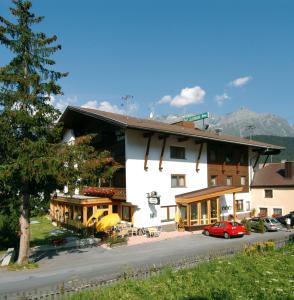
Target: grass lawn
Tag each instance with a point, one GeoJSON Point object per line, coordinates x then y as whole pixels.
{"type": "Point", "coordinates": [40, 233]}
{"type": "Point", "coordinates": [251, 275]}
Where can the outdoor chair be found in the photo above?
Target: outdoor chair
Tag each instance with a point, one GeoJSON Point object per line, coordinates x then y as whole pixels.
{"type": "Point", "coordinates": [153, 232]}
{"type": "Point", "coordinates": [133, 231]}
{"type": "Point", "coordinates": [123, 233]}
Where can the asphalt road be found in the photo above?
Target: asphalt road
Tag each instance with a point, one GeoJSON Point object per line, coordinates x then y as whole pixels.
{"type": "Point", "coordinates": [100, 263]}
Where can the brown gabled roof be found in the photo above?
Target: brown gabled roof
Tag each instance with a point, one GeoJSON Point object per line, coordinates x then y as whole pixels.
{"type": "Point", "coordinates": [207, 193]}
{"type": "Point", "coordinates": [164, 128]}
{"type": "Point", "coordinates": [273, 175]}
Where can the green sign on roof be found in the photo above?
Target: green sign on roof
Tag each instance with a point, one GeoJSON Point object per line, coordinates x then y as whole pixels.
{"type": "Point", "coordinates": [199, 117]}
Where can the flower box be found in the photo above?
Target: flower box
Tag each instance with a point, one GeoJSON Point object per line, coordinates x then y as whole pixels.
{"type": "Point", "coordinates": [99, 192]}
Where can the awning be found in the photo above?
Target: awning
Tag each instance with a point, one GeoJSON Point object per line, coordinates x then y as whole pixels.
{"type": "Point", "coordinates": [207, 193]}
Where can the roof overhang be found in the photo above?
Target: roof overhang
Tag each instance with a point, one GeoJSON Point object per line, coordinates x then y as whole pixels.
{"type": "Point", "coordinates": [208, 193]}
{"type": "Point", "coordinates": [155, 127]}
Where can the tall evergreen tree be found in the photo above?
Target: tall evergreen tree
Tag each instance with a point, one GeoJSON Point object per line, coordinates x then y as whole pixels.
{"type": "Point", "coordinates": [28, 162]}
{"type": "Point", "coordinates": [33, 159]}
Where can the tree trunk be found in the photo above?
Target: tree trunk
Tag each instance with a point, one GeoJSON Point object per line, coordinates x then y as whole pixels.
{"type": "Point", "coordinates": [24, 222]}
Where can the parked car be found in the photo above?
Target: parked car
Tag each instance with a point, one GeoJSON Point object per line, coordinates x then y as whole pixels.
{"type": "Point", "coordinates": [282, 219]}
{"type": "Point", "coordinates": [225, 229]}
{"type": "Point", "coordinates": [270, 224]}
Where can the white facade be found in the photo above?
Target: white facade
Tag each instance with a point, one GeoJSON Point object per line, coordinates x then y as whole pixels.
{"type": "Point", "coordinates": [140, 182]}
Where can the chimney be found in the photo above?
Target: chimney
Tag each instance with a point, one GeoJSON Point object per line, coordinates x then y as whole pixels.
{"type": "Point", "coordinates": [186, 124]}
{"type": "Point", "coordinates": [289, 169]}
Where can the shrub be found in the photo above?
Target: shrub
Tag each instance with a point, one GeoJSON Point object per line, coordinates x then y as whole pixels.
{"type": "Point", "coordinates": [113, 240]}
{"type": "Point", "coordinates": [260, 226]}
{"type": "Point", "coordinates": [260, 247]}
{"type": "Point", "coordinates": [247, 225]}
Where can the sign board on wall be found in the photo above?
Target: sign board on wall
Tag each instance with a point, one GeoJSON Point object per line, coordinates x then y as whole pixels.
{"type": "Point", "coordinates": [155, 201]}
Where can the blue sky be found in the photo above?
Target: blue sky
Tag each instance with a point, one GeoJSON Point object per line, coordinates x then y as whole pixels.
{"type": "Point", "coordinates": [177, 56]}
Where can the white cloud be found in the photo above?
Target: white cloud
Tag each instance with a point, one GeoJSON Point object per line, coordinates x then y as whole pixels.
{"type": "Point", "coordinates": [103, 105]}
{"type": "Point", "coordinates": [240, 81]}
{"type": "Point", "coordinates": [107, 106]}
{"type": "Point", "coordinates": [62, 103]}
{"type": "Point", "coordinates": [194, 95]}
{"type": "Point", "coordinates": [221, 99]}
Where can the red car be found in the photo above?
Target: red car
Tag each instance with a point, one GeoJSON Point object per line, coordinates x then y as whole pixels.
{"type": "Point", "coordinates": [225, 229]}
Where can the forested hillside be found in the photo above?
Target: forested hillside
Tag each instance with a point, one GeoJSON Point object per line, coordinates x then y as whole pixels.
{"type": "Point", "coordinates": [287, 142]}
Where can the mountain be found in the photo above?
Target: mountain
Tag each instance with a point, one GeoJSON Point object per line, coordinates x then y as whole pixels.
{"type": "Point", "coordinates": [245, 123]}
{"type": "Point", "coordinates": [264, 127]}
{"type": "Point", "coordinates": [287, 142]}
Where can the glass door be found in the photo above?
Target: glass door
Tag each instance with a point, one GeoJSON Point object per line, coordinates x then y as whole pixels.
{"type": "Point", "coordinates": [204, 212]}
{"type": "Point", "coordinates": [213, 211]}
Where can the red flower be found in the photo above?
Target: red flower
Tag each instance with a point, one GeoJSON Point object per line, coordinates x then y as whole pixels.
{"type": "Point", "coordinates": [101, 192]}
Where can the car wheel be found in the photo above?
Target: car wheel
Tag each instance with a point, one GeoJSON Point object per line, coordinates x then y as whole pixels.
{"type": "Point", "coordinates": [226, 235]}
{"type": "Point", "coordinates": [206, 232]}
{"type": "Point", "coordinates": [265, 229]}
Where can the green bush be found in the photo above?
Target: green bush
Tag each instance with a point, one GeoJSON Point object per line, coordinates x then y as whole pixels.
{"type": "Point", "coordinates": [247, 225]}
{"type": "Point", "coordinates": [8, 230]}
{"type": "Point", "coordinates": [112, 240]}
{"type": "Point", "coordinates": [260, 226]}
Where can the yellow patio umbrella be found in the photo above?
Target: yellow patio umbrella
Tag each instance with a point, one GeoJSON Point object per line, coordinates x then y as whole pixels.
{"type": "Point", "coordinates": [107, 222]}
{"type": "Point", "coordinates": [96, 215]}
{"type": "Point", "coordinates": [178, 215]}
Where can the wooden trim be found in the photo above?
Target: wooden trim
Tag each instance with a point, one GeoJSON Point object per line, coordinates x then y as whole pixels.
{"type": "Point", "coordinates": [147, 152]}
{"type": "Point", "coordinates": [256, 161]}
{"type": "Point", "coordinates": [162, 153]}
{"type": "Point", "coordinates": [209, 211]}
{"type": "Point", "coordinates": [208, 196]}
{"type": "Point", "coordinates": [182, 139]}
{"type": "Point", "coordinates": [198, 158]}
{"type": "Point", "coordinates": [83, 201]}
{"type": "Point", "coordinates": [85, 217]}
{"type": "Point", "coordinates": [224, 166]}
{"type": "Point", "coordinates": [234, 206]}
{"type": "Point", "coordinates": [218, 211]}
{"type": "Point", "coordinates": [199, 212]}
{"type": "Point", "coordinates": [265, 161]}
{"type": "Point", "coordinates": [189, 215]}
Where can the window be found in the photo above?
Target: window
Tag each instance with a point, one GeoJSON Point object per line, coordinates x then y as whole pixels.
{"type": "Point", "coordinates": [213, 180]}
{"type": "Point", "coordinates": [126, 213]}
{"type": "Point", "coordinates": [277, 212]}
{"type": "Point", "coordinates": [229, 157]}
{"type": "Point", "coordinates": [177, 152]}
{"type": "Point", "coordinates": [168, 213]}
{"type": "Point", "coordinates": [229, 180]}
{"type": "Point", "coordinates": [212, 155]}
{"type": "Point", "coordinates": [248, 205]}
{"type": "Point", "coordinates": [239, 205]}
{"type": "Point", "coordinates": [243, 158]}
{"type": "Point", "coordinates": [194, 211]}
{"type": "Point", "coordinates": [178, 181]}
{"type": "Point", "coordinates": [243, 180]}
{"type": "Point", "coordinates": [268, 193]}
{"type": "Point", "coordinates": [263, 212]}
{"type": "Point", "coordinates": [89, 211]}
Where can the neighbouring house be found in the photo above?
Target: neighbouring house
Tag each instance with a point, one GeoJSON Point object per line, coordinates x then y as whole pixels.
{"type": "Point", "coordinates": [205, 175]}
{"type": "Point", "coordinates": [273, 189]}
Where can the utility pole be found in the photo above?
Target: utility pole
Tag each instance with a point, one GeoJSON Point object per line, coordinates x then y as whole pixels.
{"type": "Point", "coordinates": [251, 128]}
{"type": "Point", "coordinates": [127, 99]}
